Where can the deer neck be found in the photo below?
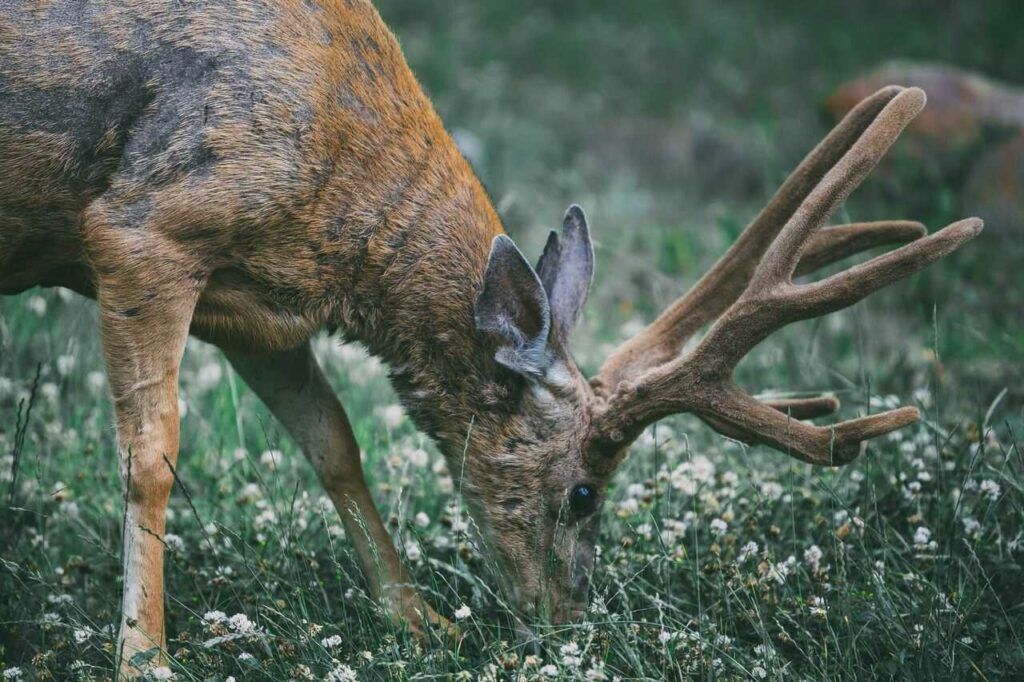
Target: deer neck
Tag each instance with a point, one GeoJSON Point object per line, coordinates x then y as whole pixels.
{"type": "Point", "coordinates": [410, 281]}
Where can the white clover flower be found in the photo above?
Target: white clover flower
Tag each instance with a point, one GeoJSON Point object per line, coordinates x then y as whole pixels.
{"type": "Point", "coordinates": [812, 557]}
{"type": "Point", "coordinates": [161, 673]}
{"type": "Point", "coordinates": [446, 485]}
{"type": "Point", "coordinates": [13, 673]}
{"type": "Point", "coordinates": [645, 530]}
{"type": "Point", "coordinates": [246, 658]}
{"type": "Point", "coordinates": [922, 536]}
{"type": "Point", "coordinates": [341, 673]}
{"type": "Point", "coordinates": [391, 415]}
{"type": "Point", "coordinates": [772, 490]}
{"type": "Point", "coordinates": [214, 617]}
{"type": "Point", "coordinates": [549, 670]}
{"type": "Point", "coordinates": [208, 376]}
{"type": "Point", "coordinates": [421, 520]}
{"type": "Point", "coordinates": [718, 526]}
{"type": "Point", "coordinates": [664, 637]}
{"type": "Point", "coordinates": [419, 458]}
{"type": "Point", "coordinates": [757, 672]}
{"type": "Point", "coordinates": [174, 542]}
{"type": "Point", "coordinates": [571, 654]}
{"type": "Point", "coordinates": [241, 624]}
{"type": "Point", "coordinates": [65, 365]}
{"type": "Point", "coordinates": [82, 635]}
{"type": "Point", "coordinates": [37, 305]}
{"type": "Point", "coordinates": [971, 525]}
{"type": "Point", "coordinates": [990, 489]}
{"type": "Point", "coordinates": [50, 391]}
{"type": "Point", "coordinates": [629, 506]}
{"type": "Point", "coordinates": [746, 551]}
{"type": "Point", "coordinates": [331, 642]}
{"type": "Point", "coordinates": [463, 612]}
{"type": "Point", "coordinates": [271, 458]}
{"type": "Point", "coordinates": [413, 551]}
{"type": "Point", "coordinates": [780, 570]}
{"type": "Point", "coordinates": [595, 675]}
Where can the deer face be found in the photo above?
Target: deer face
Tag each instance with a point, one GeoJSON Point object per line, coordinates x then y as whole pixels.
{"type": "Point", "coordinates": [528, 478]}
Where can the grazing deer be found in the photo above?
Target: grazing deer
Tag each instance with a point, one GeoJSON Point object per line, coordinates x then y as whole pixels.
{"type": "Point", "coordinates": [253, 172]}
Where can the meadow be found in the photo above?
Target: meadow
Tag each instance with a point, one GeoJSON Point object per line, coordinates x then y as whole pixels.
{"type": "Point", "coordinates": [671, 124]}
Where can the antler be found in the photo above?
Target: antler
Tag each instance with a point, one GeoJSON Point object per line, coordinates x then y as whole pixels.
{"type": "Point", "coordinates": [752, 290]}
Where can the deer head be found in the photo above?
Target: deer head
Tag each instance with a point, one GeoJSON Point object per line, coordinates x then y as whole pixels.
{"type": "Point", "coordinates": [537, 490]}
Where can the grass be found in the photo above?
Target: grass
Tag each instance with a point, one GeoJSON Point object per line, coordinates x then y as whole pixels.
{"type": "Point", "coordinates": [717, 561]}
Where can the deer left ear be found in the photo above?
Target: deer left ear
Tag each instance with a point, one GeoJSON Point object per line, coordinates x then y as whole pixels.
{"type": "Point", "coordinates": [566, 268]}
{"type": "Point", "coordinates": [514, 306]}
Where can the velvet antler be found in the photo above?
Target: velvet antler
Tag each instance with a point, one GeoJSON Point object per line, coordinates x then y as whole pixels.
{"type": "Point", "coordinates": [751, 293]}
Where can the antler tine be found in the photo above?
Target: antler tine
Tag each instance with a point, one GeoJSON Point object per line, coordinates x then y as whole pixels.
{"type": "Point", "coordinates": [836, 243]}
{"type": "Point", "coordinates": [701, 382]}
{"type": "Point", "coordinates": [662, 340]}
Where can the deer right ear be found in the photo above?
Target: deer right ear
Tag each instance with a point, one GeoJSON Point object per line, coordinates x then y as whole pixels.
{"type": "Point", "coordinates": [514, 306]}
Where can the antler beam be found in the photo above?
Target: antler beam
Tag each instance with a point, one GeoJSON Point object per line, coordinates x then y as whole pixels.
{"type": "Point", "coordinates": [755, 295]}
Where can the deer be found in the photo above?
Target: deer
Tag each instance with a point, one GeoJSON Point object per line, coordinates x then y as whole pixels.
{"type": "Point", "coordinates": [252, 173]}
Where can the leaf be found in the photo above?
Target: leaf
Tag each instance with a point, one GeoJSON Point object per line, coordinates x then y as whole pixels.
{"type": "Point", "coordinates": [141, 658]}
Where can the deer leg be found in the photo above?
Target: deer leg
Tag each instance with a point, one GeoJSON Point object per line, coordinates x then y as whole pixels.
{"type": "Point", "coordinates": [145, 310]}
{"type": "Point", "coordinates": [293, 387]}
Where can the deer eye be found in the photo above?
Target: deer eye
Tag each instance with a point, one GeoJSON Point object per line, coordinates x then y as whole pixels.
{"type": "Point", "coordinates": [582, 500]}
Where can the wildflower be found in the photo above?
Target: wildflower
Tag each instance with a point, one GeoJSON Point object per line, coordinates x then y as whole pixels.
{"type": "Point", "coordinates": [214, 617]}
{"type": "Point", "coordinates": [331, 642]}
{"type": "Point", "coordinates": [571, 654]}
{"type": "Point", "coordinates": [463, 612]}
{"type": "Point", "coordinates": [419, 458]}
{"type": "Point", "coordinates": [596, 675]}
{"type": "Point", "coordinates": [757, 672]}
{"type": "Point", "coordinates": [812, 557]}
{"type": "Point", "coordinates": [37, 305]}
{"type": "Point", "coordinates": [971, 526]}
{"type": "Point", "coordinates": [990, 489]}
{"type": "Point", "coordinates": [688, 476]}
{"type": "Point", "coordinates": [778, 571]}
{"type": "Point", "coordinates": [422, 520]}
{"type": "Point", "coordinates": [161, 673]}
{"type": "Point", "coordinates": [82, 635]}
{"type": "Point", "coordinates": [241, 624]}
{"type": "Point", "coordinates": [247, 659]}
{"type": "Point", "coordinates": [271, 458]}
{"type": "Point", "coordinates": [413, 551]}
{"type": "Point", "coordinates": [341, 673]}
{"type": "Point", "coordinates": [208, 376]}
{"type": "Point", "coordinates": [174, 542]}
{"type": "Point", "coordinates": [628, 507]}
{"type": "Point", "coordinates": [771, 490]}
{"type": "Point", "coordinates": [818, 607]}
{"type": "Point", "coordinates": [65, 365]}
{"type": "Point", "coordinates": [391, 415]}
{"type": "Point", "coordinates": [718, 526]}
{"type": "Point", "coordinates": [922, 536]}
{"type": "Point", "coordinates": [14, 673]}
{"type": "Point", "coordinates": [664, 637]}
{"type": "Point", "coordinates": [746, 551]}
{"type": "Point", "coordinates": [549, 670]}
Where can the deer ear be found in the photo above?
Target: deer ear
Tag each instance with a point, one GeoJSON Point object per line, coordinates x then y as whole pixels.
{"type": "Point", "coordinates": [566, 268]}
{"type": "Point", "coordinates": [514, 307]}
